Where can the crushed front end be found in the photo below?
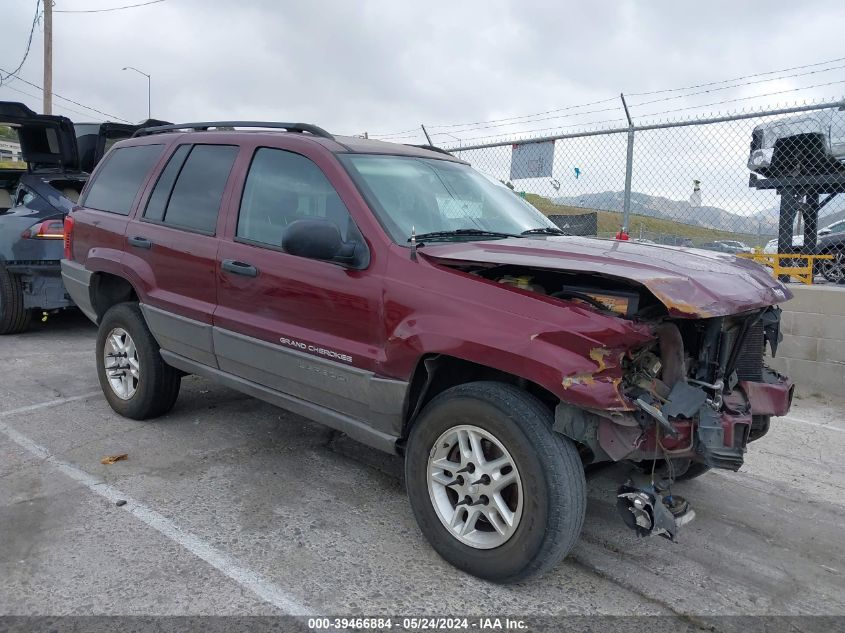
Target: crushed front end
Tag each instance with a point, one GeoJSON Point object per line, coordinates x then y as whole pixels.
{"type": "Point", "coordinates": [700, 392]}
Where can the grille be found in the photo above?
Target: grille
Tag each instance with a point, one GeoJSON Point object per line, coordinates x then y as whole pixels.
{"type": "Point", "coordinates": [749, 362]}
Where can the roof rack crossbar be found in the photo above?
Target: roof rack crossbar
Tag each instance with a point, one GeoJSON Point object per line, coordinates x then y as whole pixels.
{"type": "Point", "coordinates": [290, 127]}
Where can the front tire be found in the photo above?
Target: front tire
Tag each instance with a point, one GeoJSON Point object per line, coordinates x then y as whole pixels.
{"type": "Point", "coordinates": [494, 489]}
{"type": "Point", "coordinates": [14, 318]}
{"type": "Point", "coordinates": [136, 381]}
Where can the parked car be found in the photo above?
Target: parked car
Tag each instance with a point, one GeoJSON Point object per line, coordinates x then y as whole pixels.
{"type": "Point", "coordinates": [397, 295]}
{"type": "Point", "coordinates": [33, 203]}
{"type": "Point", "coordinates": [771, 247]}
{"type": "Point", "coordinates": [832, 269]}
{"type": "Point", "coordinates": [734, 246]}
{"type": "Point", "coordinates": [808, 143]}
{"type": "Point", "coordinates": [727, 246]}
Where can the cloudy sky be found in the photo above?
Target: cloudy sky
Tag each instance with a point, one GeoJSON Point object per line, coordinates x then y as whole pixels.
{"type": "Point", "coordinates": [384, 66]}
{"type": "Point", "coordinates": [460, 67]}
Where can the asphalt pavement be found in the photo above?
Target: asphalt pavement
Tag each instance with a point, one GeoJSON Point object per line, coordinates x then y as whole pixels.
{"type": "Point", "coordinates": [234, 507]}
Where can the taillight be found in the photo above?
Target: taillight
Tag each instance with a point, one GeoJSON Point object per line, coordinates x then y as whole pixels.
{"type": "Point", "coordinates": [46, 230]}
{"type": "Point", "coordinates": [68, 236]}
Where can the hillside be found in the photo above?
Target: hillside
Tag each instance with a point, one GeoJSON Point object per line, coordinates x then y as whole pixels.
{"type": "Point", "coordinates": [652, 227]}
{"type": "Point", "coordinates": [709, 217]}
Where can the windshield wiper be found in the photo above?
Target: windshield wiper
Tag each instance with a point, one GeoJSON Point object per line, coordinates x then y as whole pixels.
{"type": "Point", "coordinates": [544, 230]}
{"type": "Point", "coordinates": [459, 233]}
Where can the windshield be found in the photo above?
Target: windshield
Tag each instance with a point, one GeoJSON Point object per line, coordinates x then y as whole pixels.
{"type": "Point", "coordinates": [426, 195]}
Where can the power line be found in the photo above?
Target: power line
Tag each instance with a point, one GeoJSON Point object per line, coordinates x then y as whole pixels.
{"type": "Point", "coordinates": [36, 97]}
{"type": "Point", "coordinates": [28, 43]}
{"type": "Point", "coordinates": [650, 114]}
{"type": "Point", "coordinates": [533, 130]}
{"type": "Point", "coordinates": [748, 83]}
{"type": "Point", "coordinates": [768, 94]}
{"type": "Point", "coordinates": [551, 118]}
{"type": "Point", "coordinates": [466, 126]}
{"type": "Point", "coordinates": [514, 118]}
{"type": "Point", "coordinates": [724, 81]}
{"type": "Point", "coordinates": [82, 105]}
{"type": "Point", "coordinates": [129, 6]}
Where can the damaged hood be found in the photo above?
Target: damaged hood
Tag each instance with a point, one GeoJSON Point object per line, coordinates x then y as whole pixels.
{"type": "Point", "coordinates": [691, 283]}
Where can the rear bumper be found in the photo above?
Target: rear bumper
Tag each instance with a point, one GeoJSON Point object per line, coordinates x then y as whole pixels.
{"type": "Point", "coordinates": [77, 282]}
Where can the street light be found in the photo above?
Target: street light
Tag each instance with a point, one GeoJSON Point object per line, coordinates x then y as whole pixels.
{"type": "Point", "coordinates": [149, 88]}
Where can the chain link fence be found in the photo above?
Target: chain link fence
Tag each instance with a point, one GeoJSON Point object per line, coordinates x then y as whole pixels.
{"type": "Point", "coordinates": [769, 182]}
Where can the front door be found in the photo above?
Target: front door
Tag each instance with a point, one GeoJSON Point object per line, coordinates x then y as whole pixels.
{"type": "Point", "coordinates": [307, 328]}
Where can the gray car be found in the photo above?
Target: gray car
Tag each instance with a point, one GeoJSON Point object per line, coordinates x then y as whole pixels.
{"type": "Point", "coordinates": [58, 156]}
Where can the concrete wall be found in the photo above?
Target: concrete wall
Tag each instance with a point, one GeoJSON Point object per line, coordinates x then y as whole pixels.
{"type": "Point", "coordinates": [813, 349]}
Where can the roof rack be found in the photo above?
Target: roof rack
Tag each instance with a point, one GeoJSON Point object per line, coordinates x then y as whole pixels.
{"type": "Point", "coordinates": [431, 148]}
{"type": "Point", "coordinates": [290, 127]}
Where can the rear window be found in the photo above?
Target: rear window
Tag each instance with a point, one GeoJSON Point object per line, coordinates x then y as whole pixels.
{"type": "Point", "coordinates": [190, 189]}
{"type": "Point", "coordinates": [117, 183]}
{"type": "Point", "coordinates": [10, 149]}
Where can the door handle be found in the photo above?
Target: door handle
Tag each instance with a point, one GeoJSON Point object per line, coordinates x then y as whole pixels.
{"type": "Point", "coordinates": [140, 242]}
{"type": "Point", "coordinates": [239, 268]}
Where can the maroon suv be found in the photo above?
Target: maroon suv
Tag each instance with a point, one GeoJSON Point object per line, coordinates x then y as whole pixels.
{"type": "Point", "coordinates": [403, 298]}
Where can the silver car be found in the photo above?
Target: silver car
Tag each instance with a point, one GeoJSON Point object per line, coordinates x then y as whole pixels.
{"type": "Point", "coordinates": [807, 143]}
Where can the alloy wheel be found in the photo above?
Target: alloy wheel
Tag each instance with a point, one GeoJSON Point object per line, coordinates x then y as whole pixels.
{"type": "Point", "coordinates": [120, 359]}
{"type": "Point", "coordinates": [475, 487]}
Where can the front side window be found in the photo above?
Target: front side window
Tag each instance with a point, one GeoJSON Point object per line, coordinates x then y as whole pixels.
{"type": "Point", "coordinates": [426, 195]}
{"type": "Point", "coordinates": [189, 190]}
{"type": "Point", "coordinates": [283, 187]}
{"type": "Point", "coordinates": [118, 181]}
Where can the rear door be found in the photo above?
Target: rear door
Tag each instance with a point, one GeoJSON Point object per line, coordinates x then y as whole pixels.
{"type": "Point", "coordinates": [171, 247]}
{"type": "Point", "coordinates": [307, 328]}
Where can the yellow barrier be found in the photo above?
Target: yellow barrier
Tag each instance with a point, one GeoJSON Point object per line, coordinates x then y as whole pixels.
{"type": "Point", "coordinates": [803, 273]}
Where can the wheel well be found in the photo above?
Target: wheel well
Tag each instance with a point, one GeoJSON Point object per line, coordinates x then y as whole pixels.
{"type": "Point", "coordinates": [108, 290]}
{"type": "Point", "coordinates": [436, 373]}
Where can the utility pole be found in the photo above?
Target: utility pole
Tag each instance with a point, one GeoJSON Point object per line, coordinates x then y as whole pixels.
{"type": "Point", "coordinates": [48, 56]}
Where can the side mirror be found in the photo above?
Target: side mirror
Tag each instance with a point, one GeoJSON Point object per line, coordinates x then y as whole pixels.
{"type": "Point", "coordinates": [321, 239]}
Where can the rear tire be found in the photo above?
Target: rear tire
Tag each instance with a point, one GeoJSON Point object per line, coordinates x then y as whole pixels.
{"type": "Point", "coordinates": [546, 499]}
{"type": "Point", "coordinates": [136, 381]}
{"type": "Point", "coordinates": [14, 318]}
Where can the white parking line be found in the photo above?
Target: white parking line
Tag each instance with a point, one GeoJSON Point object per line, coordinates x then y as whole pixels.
{"type": "Point", "coordinates": [818, 424]}
{"type": "Point", "coordinates": [221, 561]}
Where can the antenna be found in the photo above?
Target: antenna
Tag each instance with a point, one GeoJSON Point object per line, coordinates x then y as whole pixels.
{"type": "Point", "coordinates": [427, 137]}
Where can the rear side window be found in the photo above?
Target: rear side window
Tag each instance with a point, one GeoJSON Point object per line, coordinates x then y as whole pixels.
{"type": "Point", "coordinates": [190, 189]}
{"type": "Point", "coordinates": [118, 181]}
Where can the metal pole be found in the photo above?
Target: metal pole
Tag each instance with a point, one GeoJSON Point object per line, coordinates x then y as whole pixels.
{"type": "Point", "coordinates": [48, 56]}
{"type": "Point", "coordinates": [629, 167]}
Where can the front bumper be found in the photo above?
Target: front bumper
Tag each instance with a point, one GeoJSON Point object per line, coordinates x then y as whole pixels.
{"type": "Point", "coordinates": [716, 438]}
{"type": "Point", "coordinates": [77, 282]}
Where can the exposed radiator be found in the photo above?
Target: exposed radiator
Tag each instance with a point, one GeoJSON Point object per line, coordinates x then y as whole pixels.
{"type": "Point", "coordinates": [749, 363]}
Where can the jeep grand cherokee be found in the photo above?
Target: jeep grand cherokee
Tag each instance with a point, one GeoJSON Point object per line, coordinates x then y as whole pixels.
{"type": "Point", "coordinates": [399, 296]}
